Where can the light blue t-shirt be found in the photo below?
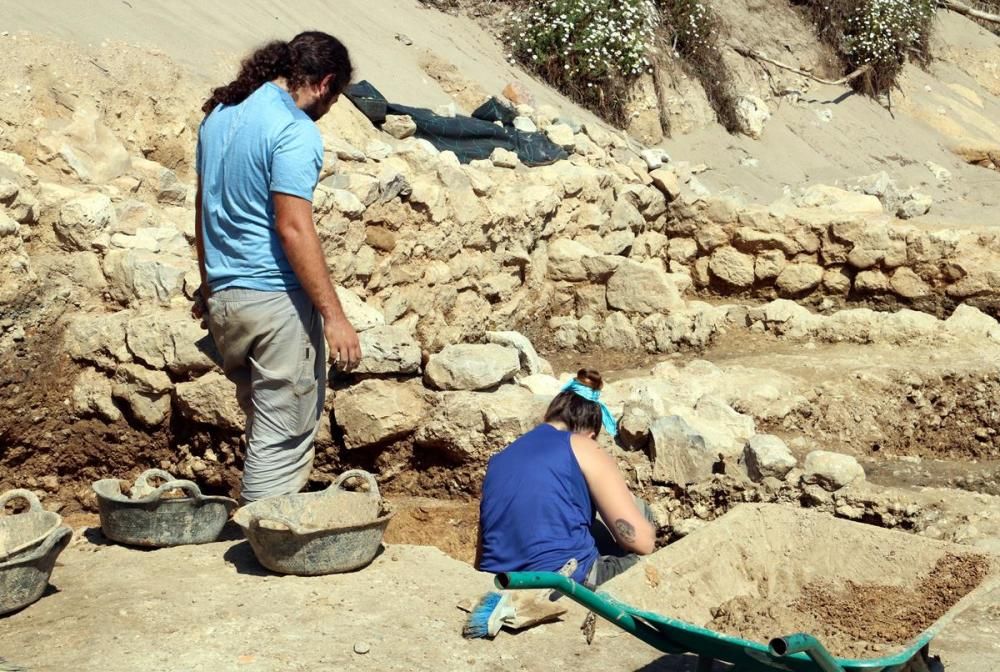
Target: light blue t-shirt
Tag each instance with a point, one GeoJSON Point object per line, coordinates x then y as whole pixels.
{"type": "Point", "coordinates": [245, 152]}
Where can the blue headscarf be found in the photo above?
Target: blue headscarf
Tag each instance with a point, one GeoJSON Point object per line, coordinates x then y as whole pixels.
{"type": "Point", "coordinates": [590, 394]}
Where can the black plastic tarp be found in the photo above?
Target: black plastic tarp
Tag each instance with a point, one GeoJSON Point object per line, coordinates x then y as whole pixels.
{"type": "Point", "coordinates": [470, 138]}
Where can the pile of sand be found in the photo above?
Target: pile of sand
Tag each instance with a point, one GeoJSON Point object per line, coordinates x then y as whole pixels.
{"type": "Point", "coordinates": [764, 571]}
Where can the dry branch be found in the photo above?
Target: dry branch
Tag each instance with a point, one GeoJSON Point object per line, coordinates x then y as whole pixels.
{"type": "Point", "coordinates": [971, 12]}
{"type": "Point", "coordinates": [757, 56]}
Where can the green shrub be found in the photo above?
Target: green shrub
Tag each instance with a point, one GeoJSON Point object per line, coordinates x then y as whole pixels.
{"type": "Point", "coordinates": [881, 34]}
{"type": "Point", "coordinates": [589, 49]}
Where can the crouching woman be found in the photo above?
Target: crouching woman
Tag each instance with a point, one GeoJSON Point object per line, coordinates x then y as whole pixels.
{"type": "Point", "coordinates": [542, 494]}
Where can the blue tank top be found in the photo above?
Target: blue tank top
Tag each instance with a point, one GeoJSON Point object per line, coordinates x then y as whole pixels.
{"type": "Point", "coordinates": [536, 510]}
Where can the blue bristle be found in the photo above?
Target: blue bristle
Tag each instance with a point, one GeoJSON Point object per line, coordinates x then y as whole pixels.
{"type": "Point", "coordinates": [477, 625]}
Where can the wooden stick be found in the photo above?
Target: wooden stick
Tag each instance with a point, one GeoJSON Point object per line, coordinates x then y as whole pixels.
{"type": "Point", "coordinates": [956, 6]}
{"type": "Point", "coordinates": [757, 56]}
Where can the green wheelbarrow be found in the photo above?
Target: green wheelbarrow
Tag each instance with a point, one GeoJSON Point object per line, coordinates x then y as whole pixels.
{"type": "Point", "coordinates": [818, 572]}
{"type": "Point", "coordinates": [798, 652]}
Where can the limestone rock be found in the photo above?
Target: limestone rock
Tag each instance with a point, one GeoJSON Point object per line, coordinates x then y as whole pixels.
{"type": "Point", "coordinates": [619, 334]}
{"type": "Point", "coordinates": [908, 284]}
{"type": "Point", "coordinates": [392, 184]}
{"type": "Point", "coordinates": [644, 288]}
{"type": "Point", "coordinates": [455, 426]}
{"type": "Point", "coordinates": [361, 315]}
{"type": "Point", "coordinates": [346, 203]}
{"type": "Point", "coordinates": [562, 135]}
{"type": "Point", "coordinates": [753, 113]}
{"type": "Point", "coordinates": [678, 452]}
{"type": "Point", "coordinates": [92, 395]}
{"type": "Point", "coordinates": [170, 339]}
{"type": "Point", "coordinates": [725, 431]}
{"type": "Point", "coordinates": [142, 276]}
{"type": "Point", "coordinates": [365, 187]}
{"type": "Point", "coordinates": [871, 282]}
{"type": "Point", "coordinates": [654, 158]}
{"type": "Point", "coordinates": [510, 412]}
{"type": "Point", "coordinates": [525, 124]}
{"type": "Point", "coordinates": [683, 250]}
{"type": "Point", "coordinates": [375, 412]}
{"type": "Point", "coordinates": [531, 363]}
{"type": "Point", "coordinates": [388, 350]}
{"type": "Point", "coordinates": [831, 471]}
{"type": "Point", "coordinates": [504, 158]}
{"type": "Point", "coordinates": [145, 391]}
{"type": "Point", "coordinates": [969, 321]}
{"type": "Point", "coordinates": [471, 366]}
{"type": "Point", "coordinates": [98, 339]}
{"type": "Point", "coordinates": [634, 426]}
{"type": "Point", "coordinates": [171, 191]}
{"type": "Point", "coordinates": [913, 205]}
{"type": "Point", "coordinates": [399, 126]}
{"type": "Point", "coordinates": [541, 384]}
{"type": "Point", "coordinates": [769, 264]}
{"type": "Point", "coordinates": [626, 217]}
{"type": "Point", "coordinates": [767, 455]}
{"type": "Point", "coordinates": [210, 400]}
{"type": "Point", "coordinates": [732, 267]}
{"type": "Point", "coordinates": [839, 200]}
{"type": "Point", "coordinates": [565, 260]}
{"type": "Point", "coordinates": [83, 146]}
{"type": "Point", "coordinates": [467, 425]}
{"type": "Point", "coordinates": [667, 182]}
{"type": "Point", "coordinates": [83, 220]}
{"type": "Point", "coordinates": [798, 279]}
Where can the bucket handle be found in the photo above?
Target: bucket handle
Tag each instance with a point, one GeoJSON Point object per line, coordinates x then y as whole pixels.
{"type": "Point", "coordinates": [188, 487]}
{"type": "Point", "coordinates": [356, 473]}
{"type": "Point", "coordinates": [293, 527]}
{"type": "Point", "coordinates": [142, 481]}
{"type": "Point", "coordinates": [20, 493]}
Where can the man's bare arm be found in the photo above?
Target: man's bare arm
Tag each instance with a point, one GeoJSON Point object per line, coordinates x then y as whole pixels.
{"type": "Point", "coordinates": [297, 233]}
{"type": "Point", "coordinates": [200, 304]}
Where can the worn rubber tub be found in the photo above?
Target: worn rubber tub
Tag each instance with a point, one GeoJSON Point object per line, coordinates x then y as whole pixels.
{"type": "Point", "coordinates": [152, 517]}
{"type": "Point", "coordinates": [25, 575]}
{"type": "Point", "coordinates": [25, 530]}
{"type": "Point", "coordinates": [315, 533]}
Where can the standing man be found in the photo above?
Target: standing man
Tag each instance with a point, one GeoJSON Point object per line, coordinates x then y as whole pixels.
{"type": "Point", "coordinates": [271, 307]}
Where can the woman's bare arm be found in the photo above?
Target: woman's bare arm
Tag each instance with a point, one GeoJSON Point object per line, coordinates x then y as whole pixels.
{"type": "Point", "coordinates": [613, 499]}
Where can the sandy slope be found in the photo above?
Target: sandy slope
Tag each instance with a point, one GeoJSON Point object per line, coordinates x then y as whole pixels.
{"type": "Point", "coordinates": [952, 104]}
{"type": "Point", "coordinates": [211, 37]}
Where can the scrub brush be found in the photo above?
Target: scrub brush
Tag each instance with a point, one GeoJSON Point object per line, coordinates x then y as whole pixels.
{"type": "Point", "coordinates": [488, 615]}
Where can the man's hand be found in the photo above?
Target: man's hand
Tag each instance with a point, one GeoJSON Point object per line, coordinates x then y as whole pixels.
{"type": "Point", "coordinates": [345, 348]}
{"type": "Point", "coordinates": [199, 309]}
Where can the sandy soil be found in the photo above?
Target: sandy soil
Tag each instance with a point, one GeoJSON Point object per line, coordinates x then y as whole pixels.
{"type": "Point", "coordinates": [212, 607]}
{"type": "Point", "coordinates": [763, 571]}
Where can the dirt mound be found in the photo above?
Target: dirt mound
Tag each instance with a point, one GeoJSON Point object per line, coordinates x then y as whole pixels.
{"type": "Point", "coordinates": [859, 619]}
{"type": "Point", "coordinates": [764, 571]}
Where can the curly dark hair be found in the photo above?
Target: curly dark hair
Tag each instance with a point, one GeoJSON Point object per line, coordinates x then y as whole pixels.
{"type": "Point", "coordinates": [307, 59]}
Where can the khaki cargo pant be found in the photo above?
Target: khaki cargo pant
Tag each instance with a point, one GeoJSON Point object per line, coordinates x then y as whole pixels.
{"type": "Point", "coordinates": [273, 349]}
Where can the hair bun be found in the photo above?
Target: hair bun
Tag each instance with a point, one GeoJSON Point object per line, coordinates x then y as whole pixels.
{"type": "Point", "coordinates": [591, 378]}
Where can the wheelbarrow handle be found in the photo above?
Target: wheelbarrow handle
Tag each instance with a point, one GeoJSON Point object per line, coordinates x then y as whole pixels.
{"type": "Point", "coordinates": [802, 642]}
{"type": "Point", "coordinates": [356, 473]}
{"type": "Point", "coordinates": [20, 493]}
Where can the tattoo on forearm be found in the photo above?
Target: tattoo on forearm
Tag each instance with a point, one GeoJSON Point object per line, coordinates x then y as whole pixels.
{"type": "Point", "coordinates": [626, 531]}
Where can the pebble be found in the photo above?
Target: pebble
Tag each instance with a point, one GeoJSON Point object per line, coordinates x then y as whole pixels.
{"type": "Point", "coordinates": [362, 648]}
